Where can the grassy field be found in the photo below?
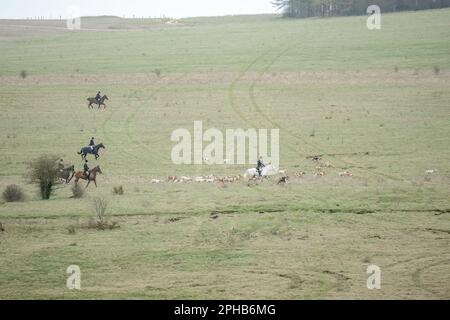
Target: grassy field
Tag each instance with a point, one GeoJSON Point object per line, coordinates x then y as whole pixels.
{"type": "Point", "coordinates": [374, 103]}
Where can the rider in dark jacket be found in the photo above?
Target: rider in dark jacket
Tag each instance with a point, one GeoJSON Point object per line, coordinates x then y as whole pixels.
{"type": "Point", "coordinates": [61, 165]}
{"type": "Point", "coordinates": [92, 143]}
{"type": "Point", "coordinates": [98, 97]}
{"type": "Point", "coordinates": [86, 168]}
{"type": "Point", "coordinates": [260, 165]}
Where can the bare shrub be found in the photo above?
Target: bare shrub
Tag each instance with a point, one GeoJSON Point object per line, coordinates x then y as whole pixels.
{"type": "Point", "coordinates": [118, 190]}
{"type": "Point", "coordinates": [77, 191]}
{"type": "Point", "coordinates": [71, 229]}
{"type": "Point", "coordinates": [23, 74]}
{"type": "Point", "coordinates": [102, 220]}
{"type": "Point", "coordinates": [234, 236]}
{"type": "Point", "coordinates": [44, 171]}
{"type": "Point", "coordinates": [436, 70]}
{"type": "Point", "coordinates": [100, 205]}
{"type": "Point", "coordinates": [13, 193]}
{"type": "Point", "coordinates": [157, 72]}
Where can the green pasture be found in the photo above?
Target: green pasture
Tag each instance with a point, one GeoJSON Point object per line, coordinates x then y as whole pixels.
{"type": "Point", "coordinates": [373, 103]}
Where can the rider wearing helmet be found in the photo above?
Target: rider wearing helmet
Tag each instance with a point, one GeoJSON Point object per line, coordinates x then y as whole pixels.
{"type": "Point", "coordinates": [92, 143]}
{"type": "Point", "coordinates": [61, 165]}
{"type": "Point", "coordinates": [260, 165]}
{"type": "Point", "coordinates": [98, 97]}
{"type": "Point", "coordinates": [86, 169]}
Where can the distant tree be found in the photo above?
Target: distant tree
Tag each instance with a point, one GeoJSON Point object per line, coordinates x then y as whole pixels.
{"type": "Point", "coordinates": [310, 8]}
{"type": "Point", "coordinates": [294, 8]}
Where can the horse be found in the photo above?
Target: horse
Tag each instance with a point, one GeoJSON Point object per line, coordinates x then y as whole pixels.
{"type": "Point", "coordinates": [268, 170]}
{"type": "Point", "coordinates": [91, 177]}
{"type": "Point", "coordinates": [86, 150]}
{"type": "Point", "coordinates": [99, 103]}
{"type": "Point", "coordinates": [66, 174]}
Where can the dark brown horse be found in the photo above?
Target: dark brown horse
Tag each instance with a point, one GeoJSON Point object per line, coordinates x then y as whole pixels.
{"type": "Point", "coordinates": [92, 150]}
{"type": "Point", "coordinates": [66, 174]}
{"type": "Point", "coordinates": [99, 103]}
{"type": "Point", "coordinates": [91, 177]}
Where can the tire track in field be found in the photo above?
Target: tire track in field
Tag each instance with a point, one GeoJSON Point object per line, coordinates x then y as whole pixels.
{"type": "Point", "coordinates": [154, 154]}
{"type": "Point", "coordinates": [132, 115]}
{"type": "Point", "coordinates": [232, 101]}
{"type": "Point", "coordinates": [317, 147]}
{"type": "Point", "coordinates": [254, 103]}
{"type": "Point", "coordinates": [106, 134]}
{"type": "Point", "coordinates": [235, 106]}
{"type": "Point", "coordinates": [127, 129]}
{"type": "Point", "coordinates": [417, 276]}
{"type": "Point", "coordinates": [417, 273]}
{"type": "Point", "coordinates": [256, 107]}
{"type": "Point", "coordinates": [232, 88]}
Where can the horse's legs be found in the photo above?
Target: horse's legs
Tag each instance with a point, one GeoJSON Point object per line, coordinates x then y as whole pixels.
{"type": "Point", "coordinates": [95, 182]}
{"type": "Point", "coordinates": [89, 181]}
{"type": "Point", "coordinates": [71, 177]}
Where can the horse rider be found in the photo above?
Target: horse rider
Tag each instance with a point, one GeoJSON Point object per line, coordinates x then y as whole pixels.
{"type": "Point", "coordinates": [92, 143]}
{"type": "Point", "coordinates": [260, 165]}
{"type": "Point", "coordinates": [61, 165]}
{"type": "Point", "coordinates": [86, 169]}
{"type": "Point", "coordinates": [98, 97]}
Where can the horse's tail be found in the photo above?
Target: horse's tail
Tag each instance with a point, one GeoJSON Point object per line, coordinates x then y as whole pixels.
{"type": "Point", "coordinates": [81, 151]}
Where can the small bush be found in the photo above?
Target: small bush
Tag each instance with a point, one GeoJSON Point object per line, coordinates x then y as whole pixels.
{"type": "Point", "coordinates": [100, 206]}
{"type": "Point", "coordinates": [107, 225]}
{"type": "Point", "coordinates": [44, 172]}
{"type": "Point", "coordinates": [23, 74]}
{"type": "Point", "coordinates": [101, 220]}
{"type": "Point", "coordinates": [13, 193]}
{"type": "Point", "coordinates": [157, 72]}
{"type": "Point", "coordinates": [77, 191]}
{"type": "Point", "coordinates": [71, 229]}
{"type": "Point", "coordinates": [118, 190]}
{"type": "Point", "coordinates": [436, 70]}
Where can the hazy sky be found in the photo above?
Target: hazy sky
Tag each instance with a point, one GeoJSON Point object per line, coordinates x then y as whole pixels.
{"type": "Point", "coordinates": [154, 8]}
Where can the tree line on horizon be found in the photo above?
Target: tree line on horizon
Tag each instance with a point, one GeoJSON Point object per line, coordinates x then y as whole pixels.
{"type": "Point", "coordinates": [329, 8]}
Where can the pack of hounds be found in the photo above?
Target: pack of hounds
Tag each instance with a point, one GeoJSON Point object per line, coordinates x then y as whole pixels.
{"type": "Point", "coordinates": [258, 174]}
